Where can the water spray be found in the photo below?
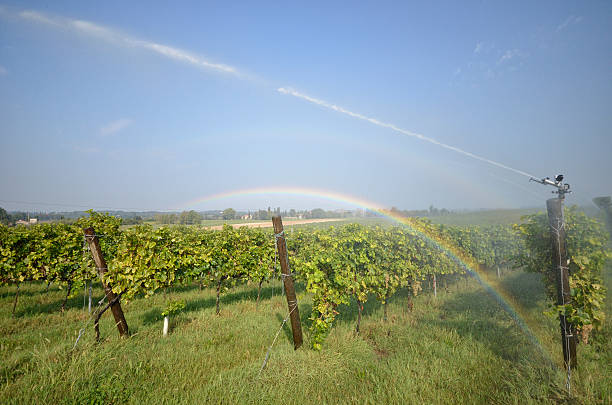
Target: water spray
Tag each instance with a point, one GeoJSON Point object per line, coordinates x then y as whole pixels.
{"type": "Point", "coordinates": [330, 106]}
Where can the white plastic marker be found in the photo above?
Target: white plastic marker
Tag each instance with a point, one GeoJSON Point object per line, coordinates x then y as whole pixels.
{"type": "Point", "coordinates": [374, 121]}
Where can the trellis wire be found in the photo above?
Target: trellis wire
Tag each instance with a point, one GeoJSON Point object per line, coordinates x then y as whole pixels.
{"type": "Point", "coordinates": [265, 362]}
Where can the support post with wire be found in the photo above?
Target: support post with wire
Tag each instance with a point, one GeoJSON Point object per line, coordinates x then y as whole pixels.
{"type": "Point", "coordinates": [560, 264]}
{"type": "Point", "coordinates": [296, 326]}
{"type": "Point", "coordinates": [96, 253]}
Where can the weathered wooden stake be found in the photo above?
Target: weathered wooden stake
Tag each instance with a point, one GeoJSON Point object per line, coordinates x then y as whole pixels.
{"type": "Point", "coordinates": [359, 311]}
{"type": "Point", "coordinates": [294, 314]}
{"type": "Point", "coordinates": [16, 297]}
{"type": "Point", "coordinates": [67, 295]}
{"type": "Point", "coordinates": [96, 253]}
{"type": "Point", "coordinates": [409, 303]}
{"type": "Point", "coordinates": [435, 286]}
{"type": "Point", "coordinates": [219, 295]}
{"type": "Point", "coordinates": [258, 292]}
{"type": "Point", "coordinates": [560, 266]}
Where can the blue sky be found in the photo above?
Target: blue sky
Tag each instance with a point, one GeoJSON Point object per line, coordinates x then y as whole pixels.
{"type": "Point", "coordinates": [150, 105]}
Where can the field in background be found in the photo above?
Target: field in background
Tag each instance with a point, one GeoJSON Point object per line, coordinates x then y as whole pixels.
{"type": "Point", "coordinates": [485, 217]}
{"type": "Point", "coordinates": [286, 222]}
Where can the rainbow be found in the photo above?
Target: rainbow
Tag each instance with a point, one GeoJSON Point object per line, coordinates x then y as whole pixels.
{"type": "Point", "coordinates": [429, 235]}
{"type": "Point", "coordinates": [294, 191]}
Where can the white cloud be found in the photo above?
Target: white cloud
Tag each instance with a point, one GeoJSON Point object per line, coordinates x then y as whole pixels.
{"type": "Point", "coordinates": [115, 127]}
{"type": "Point", "coordinates": [571, 20]}
{"type": "Point", "coordinates": [483, 47]}
{"type": "Point", "coordinates": [509, 55]}
{"type": "Point", "coordinates": [108, 34]}
{"type": "Point", "coordinates": [3, 70]}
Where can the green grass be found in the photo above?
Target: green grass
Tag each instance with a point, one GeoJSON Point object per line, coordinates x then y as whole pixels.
{"type": "Point", "coordinates": [485, 217]}
{"type": "Point", "coordinates": [460, 347]}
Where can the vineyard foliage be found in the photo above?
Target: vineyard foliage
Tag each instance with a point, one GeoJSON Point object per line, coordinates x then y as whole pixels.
{"type": "Point", "coordinates": [586, 245]}
{"type": "Point", "coordinates": [338, 265]}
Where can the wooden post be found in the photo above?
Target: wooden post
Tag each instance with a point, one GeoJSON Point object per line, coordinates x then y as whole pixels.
{"type": "Point", "coordinates": [292, 303]}
{"type": "Point", "coordinates": [16, 296]}
{"type": "Point", "coordinates": [560, 266]}
{"type": "Point", "coordinates": [96, 253]}
{"type": "Point", "coordinates": [435, 286]}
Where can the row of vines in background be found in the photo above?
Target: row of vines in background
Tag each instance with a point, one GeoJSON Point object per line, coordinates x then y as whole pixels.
{"type": "Point", "coordinates": [338, 265]}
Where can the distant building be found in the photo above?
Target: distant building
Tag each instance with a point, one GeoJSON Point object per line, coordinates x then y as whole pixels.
{"type": "Point", "coordinates": [31, 221]}
{"type": "Point", "coordinates": [247, 216]}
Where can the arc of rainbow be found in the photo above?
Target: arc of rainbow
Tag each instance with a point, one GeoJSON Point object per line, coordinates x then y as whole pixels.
{"type": "Point", "coordinates": [467, 263]}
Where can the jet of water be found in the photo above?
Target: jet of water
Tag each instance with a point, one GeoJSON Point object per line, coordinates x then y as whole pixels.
{"type": "Point", "coordinates": [374, 121]}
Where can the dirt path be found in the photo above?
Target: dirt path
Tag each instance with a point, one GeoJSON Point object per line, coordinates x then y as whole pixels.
{"type": "Point", "coordinates": [269, 224]}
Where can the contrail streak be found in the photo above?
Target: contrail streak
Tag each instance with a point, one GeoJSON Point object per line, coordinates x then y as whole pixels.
{"type": "Point", "coordinates": [99, 31]}
{"type": "Point", "coordinates": [374, 121]}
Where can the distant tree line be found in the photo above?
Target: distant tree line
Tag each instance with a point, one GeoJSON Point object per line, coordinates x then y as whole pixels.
{"type": "Point", "coordinates": [7, 218]}
{"type": "Point", "coordinates": [431, 212]}
{"type": "Point", "coordinates": [195, 218]}
{"type": "Point", "coordinates": [230, 213]}
{"type": "Point", "coordinates": [184, 218]}
{"type": "Point", "coordinates": [10, 218]}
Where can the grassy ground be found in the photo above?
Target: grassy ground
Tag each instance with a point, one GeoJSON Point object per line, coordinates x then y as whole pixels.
{"type": "Point", "coordinates": [460, 347]}
{"type": "Point", "coordinates": [487, 217]}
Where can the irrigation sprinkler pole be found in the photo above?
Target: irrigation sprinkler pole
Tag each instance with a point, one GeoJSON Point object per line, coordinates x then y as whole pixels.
{"type": "Point", "coordinates": [560, 264]}
{"type": "Point", "coordinates": [281, 245]}
{"type": "Point", "coordinates": [96, 253]}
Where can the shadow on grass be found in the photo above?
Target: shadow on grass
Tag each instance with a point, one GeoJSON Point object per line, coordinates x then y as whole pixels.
{"type": "Point", "coordinates": [478, 316]}
{"type": "Point", "coordinates": [372, 307]}
{"type": "Point", "coordinates": [51, 307]}
{"type": "Point", "coordinates": [27, 289]}
{"type": "Point", "coordinates": [526, 288]}
{"type": "Point", "coordinates": [305, 310]}
{"type": "Point", "coordinates": [267, 293]}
